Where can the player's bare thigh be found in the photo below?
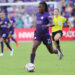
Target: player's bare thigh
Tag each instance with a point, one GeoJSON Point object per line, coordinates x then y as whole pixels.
{"type": "Point", "coordinates": [36, 43]}
{"type": "Point", "coordinates": [57, 37]}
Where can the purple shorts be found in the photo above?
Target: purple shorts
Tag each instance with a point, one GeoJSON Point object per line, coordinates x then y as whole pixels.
{"type": "Point", "coordinates": [5, 35]}
{"type": "Point", "coordinates": [45, 38]}
{"type": "Point", "coordinates": [11, 32]}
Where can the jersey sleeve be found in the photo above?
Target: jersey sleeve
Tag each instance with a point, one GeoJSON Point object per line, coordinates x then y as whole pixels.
{"type": "Point", "coordinates": [64, 19]}
{"type": "Point", "coordinates": [13, 20]}
{"type": "Point", "coordinates": [6, 22]}
{"type": "Point", "coordinates": [49, 16]}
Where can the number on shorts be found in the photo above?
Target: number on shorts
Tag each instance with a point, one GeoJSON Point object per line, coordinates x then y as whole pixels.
{"type": "Point", "coordinates": [49, 41]}
{"type": "Point", "coordinates": [4, 35]}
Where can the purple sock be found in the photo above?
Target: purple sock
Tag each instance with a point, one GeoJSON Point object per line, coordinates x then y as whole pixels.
{"type": "Point", "coordinates": [7, 44]}
{"type": "Point", "coordinates": [2, 47]}
{"type": "Point", "coordinates": [56, 51]}
{"type": "Point", "coordinates": [14, 40]}
{"type": "Point", "coordinates": [9, 40]}
{"type": "Point", "coordinates": [32, 58]}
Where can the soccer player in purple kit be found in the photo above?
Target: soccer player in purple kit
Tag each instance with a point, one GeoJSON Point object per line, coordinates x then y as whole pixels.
{"type": "Point", "coordinates": [4, 25]}
{"type": "Point", "coordinates": [2, 45]}
{"type": "Point", "coordinates": [42, 34]}
{"type": "Point", "coordinates": [11, 29]}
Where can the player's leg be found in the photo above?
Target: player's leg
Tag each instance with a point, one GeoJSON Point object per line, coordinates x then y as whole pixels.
{"type": "Point", "coordinates": [2, 45]}
{"type": "Point", "coordinates": [48, 42]}
{"type": "Point", "coordinates": [33, 53]}
{"type": "Point", "coordinates": [36, 43]}
{"type": "Point", "coordinates": [11, 36]}
{"type": "Point", "coordinates": [6, 48]}
{"type": "Point", "coordinates": [57, 42]}
{"type": "Point", "coordinates": [5, 40]}
{"type": "Point", "coordinates": [2, 49]}
{"type": "Point", "coordinates": [8, 45]}
{"type": "Point", "coordinates": [57, 36]}
{"type": "Point", "coordinates": [51, 50]}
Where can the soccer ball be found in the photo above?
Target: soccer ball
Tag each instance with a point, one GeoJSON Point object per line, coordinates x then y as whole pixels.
{"type": "Point", "coordinates": [30, 67]}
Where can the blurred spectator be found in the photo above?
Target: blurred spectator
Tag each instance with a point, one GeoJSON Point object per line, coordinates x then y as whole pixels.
{"type": "Point", "coordinates": [10, 1]}
{"type": "Point", "coordinates": [66, 2]}
{"type": "Point", "coordinates": [10, 9]}
{"type": "Point", "coordinates": [27, 20]}
{"type": "Point", "coordinates": [63, 6]}
{"type": "Point", "coordinates": [72, 20]}
{"type": "Point", "coordinates": [3, 1]}
{"type": "Point", "coordinates": [69, 8]}
{"type": "Point", "coordinates": [19, 22]}
{"type": "Point", "coordinates": [19, 1]}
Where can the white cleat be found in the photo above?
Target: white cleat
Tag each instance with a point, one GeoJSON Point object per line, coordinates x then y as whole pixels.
{"type": "Point", "coordinates": [60, 55]}
{"type": "Point", "coordinates": [1, 54]}
{"type": "Point", "coordinates": [11, 53]}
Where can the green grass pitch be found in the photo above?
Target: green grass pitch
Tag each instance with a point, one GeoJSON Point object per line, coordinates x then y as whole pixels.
{"type": "Point", "coordinates": [46, 64]}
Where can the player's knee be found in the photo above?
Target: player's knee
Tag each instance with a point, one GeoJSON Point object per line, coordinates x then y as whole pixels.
{"type": "Point", "coordinates": [51, 51]}
{"type": "Point", "coordinates": [57, 37]}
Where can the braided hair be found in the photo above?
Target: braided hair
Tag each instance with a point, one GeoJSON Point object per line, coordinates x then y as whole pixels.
{"type": "Point", "coordinates": [45, 5]}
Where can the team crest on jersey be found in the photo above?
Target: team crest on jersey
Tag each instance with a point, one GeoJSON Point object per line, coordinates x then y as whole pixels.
{"type": "Point", "coordinates": [60, 23]}
{"type": "Point", "coordinates": [42, 17]}
{"type": "Point", "coordinates": [5, 22]}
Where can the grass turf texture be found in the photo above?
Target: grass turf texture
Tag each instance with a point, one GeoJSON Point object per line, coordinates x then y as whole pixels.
{"type": "Point", "coordinates": [46, 64]}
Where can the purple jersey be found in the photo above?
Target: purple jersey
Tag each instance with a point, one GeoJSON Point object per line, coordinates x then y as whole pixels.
{"type": "Point", "coordinates": [13, 22]}
{"type": "Point", "coordinates": [5, 30]}
{"type": "Point", "coordinates": [4, 25]}
{"type": "Point", "coordinates": [42, 19]}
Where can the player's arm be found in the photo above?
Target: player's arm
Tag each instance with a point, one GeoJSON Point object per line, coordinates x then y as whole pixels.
{"type": "Point", "coordinates": [67, 22]}
{"type": "Point", "coordinates": [51, 24]}
{"type": "Point", "coordinates": [9, 25]}
{"type": "Point", "coordinates": [15, 23]}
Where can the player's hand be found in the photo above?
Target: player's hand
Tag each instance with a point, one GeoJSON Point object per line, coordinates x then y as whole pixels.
{"type": "Point", "coordinates": [45, 26]}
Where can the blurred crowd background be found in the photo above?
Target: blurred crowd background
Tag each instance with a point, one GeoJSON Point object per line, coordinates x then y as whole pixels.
{"type": "Point", "coordinates": [25, 15]}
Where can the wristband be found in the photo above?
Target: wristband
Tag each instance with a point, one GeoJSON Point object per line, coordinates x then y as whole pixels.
{"type": "Point", "coordinates": [49, 25]}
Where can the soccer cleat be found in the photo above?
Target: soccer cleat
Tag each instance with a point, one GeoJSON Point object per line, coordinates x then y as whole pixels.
{"type": "Point", "coordinates": [60, 55]}
{"type": "Point", "coordinates": [6, 48]}
{"type": "Point", "coordinates": [17, 44]}
{"type": "Point", "coordinates": [11, 53]}
{"type": "Point", "coordinates": [1, 54]}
